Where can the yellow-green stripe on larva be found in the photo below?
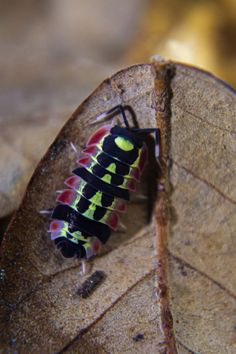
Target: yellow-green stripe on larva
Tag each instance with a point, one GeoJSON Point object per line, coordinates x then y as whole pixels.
{"type": "Point", "coordinates": [75, 202]}
{"type": "Point", "coordinates": [63, 231]}
{"type": "Point", "coordinates": [81, 186]}
{"type": "Point", "coordinates": [97, 198]}
{"type": "Point", "coordinates": [76, 236]}
{"type": "Point", "coordinates": [94, 162]}
{"type": "Point", "coordinates": [124, 144]}
{"type": "Point", "coordinates": [136, 162]}
{"type": "Point", "coordinates": [90, 211]}
{"type": "Point", "coordinates": [106, 178]}
{"type": "Point", "coordinates": [112, 167]}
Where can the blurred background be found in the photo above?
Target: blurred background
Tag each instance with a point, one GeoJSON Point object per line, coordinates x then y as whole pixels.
{"type": "Point", "coordinates": [55, 52]}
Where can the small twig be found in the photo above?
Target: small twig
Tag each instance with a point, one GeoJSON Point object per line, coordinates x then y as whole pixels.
{"type": "Point", "coordinates": [162, 96]}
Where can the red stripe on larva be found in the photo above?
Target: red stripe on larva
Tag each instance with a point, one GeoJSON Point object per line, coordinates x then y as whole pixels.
{"type": "Point", "coordinates": [143, 159]}
{"type": "Point", "coordinates": [84, 161]}
{"type": "Point", "coordinates": [72, 181]}
{"type": "Point", "coordinates": [96, 246]}
{"type": "Point", "coordinates": [67, 197]}
{"type": "Point", "coordinates": [121, 206]}
{"type": "Point", "coordinates": [98, 135]}
{"type": "Point", "coordinates": [112, 221]}
{"type": "Point", "coordinates": [90, 150]}
{"type": "Point", "coordinates": [132, 185]}
{"type": "Point", "coordinates": [135, 173]}
{"type": "Point", "coordinates": [55, 225]}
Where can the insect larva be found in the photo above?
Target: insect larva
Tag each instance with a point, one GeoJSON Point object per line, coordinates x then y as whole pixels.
{"type": "Point", "coordinates": [109, 168]}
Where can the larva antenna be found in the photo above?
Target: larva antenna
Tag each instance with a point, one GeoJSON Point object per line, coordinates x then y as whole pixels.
{"type": "Point", "coordinates": [117, 110]}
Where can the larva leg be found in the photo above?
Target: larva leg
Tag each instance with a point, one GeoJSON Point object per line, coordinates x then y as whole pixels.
{"type": "Point", "coordinates": [114, 112]}
{"type": "Point", "coordinates": [46, 212]}
{"type": "Point", "coordinates": [121, 228]}
{"type": "Point", "coordinates": [138, 198]}
{"type": "Point", "coordinates": [83, 265]}
{"type": "Point", "coordinates": [75, 150]}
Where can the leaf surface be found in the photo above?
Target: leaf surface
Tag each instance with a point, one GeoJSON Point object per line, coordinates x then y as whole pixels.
{"type": "Point", "coordinates": [41, 309]}
{"type": "Point", "coordinates": [202, 242]}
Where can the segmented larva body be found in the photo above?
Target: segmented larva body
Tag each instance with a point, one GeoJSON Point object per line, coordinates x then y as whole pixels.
{"type": "Point", "coordinates": [110, 166]}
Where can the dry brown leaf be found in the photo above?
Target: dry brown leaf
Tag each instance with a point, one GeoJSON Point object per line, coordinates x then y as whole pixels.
{"type": "Point", "coordinates": [41, 309]}
{"type": "Point", "coordinates": [202, 241]}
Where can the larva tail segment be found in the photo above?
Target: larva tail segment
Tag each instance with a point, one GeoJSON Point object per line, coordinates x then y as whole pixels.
{"type": "Point", "coordinates": [73, 242]}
